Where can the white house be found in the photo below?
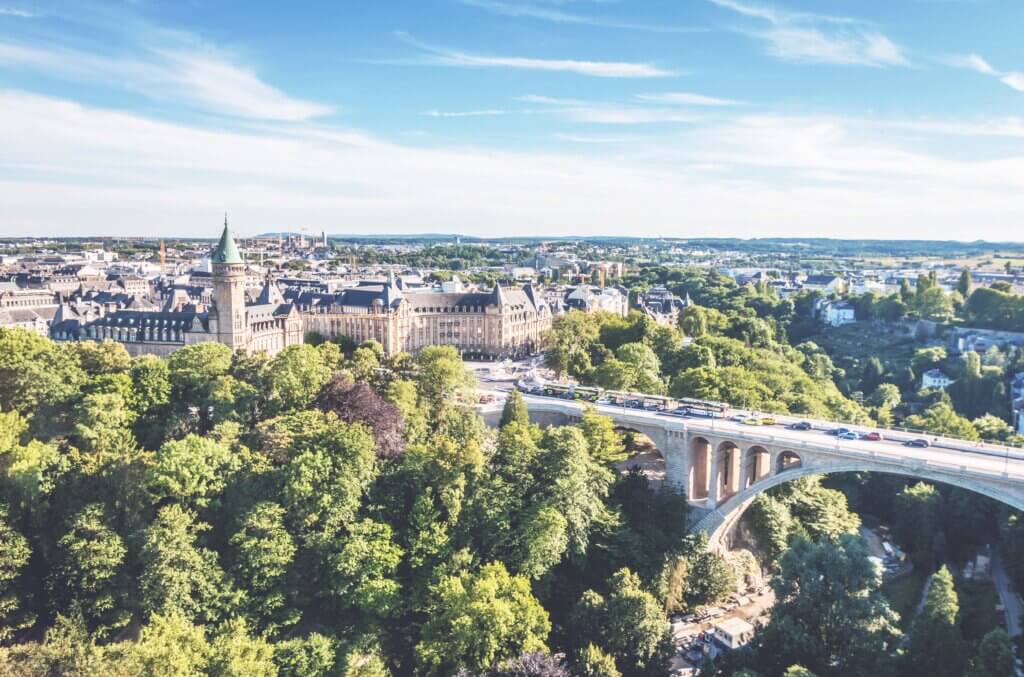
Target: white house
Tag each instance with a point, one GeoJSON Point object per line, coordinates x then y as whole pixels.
{"type": "Point", "coordinates": [733, 633]}
{"type": "Point", "coordinates": [935, 378]}
{"type": "Point", "coordinates": [837, 313]}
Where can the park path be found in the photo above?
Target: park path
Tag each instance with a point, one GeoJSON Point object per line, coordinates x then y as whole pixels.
{"type": "Point", "coordinates": [924, 596]}
{"type": "Point", "coordinates": [1009, 598]}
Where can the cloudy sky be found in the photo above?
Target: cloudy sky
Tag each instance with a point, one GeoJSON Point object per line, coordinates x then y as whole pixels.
{"type": "Point", "coordinates": [840, 118]}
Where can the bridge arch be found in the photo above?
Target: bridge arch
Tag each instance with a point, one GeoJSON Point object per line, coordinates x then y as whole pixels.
{"type": "Point", "coordinates": [728, 459]}
{"type": "Point", "coordinates": [699, 473]}
{"type": "Point", "coordinates": [787, 460]}
{"type": "Point", "coordinates": [757, 465]}
{"type": "Point", "coordinates": [720, 522]}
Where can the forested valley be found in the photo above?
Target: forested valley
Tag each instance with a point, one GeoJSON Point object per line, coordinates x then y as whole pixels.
{"type": "Point", "coordinates": [343, 512]}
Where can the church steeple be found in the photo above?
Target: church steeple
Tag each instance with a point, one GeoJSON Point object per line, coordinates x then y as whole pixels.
{"type": "Point", "coordinates": [228, 315]}
{"type": "Point", "coordinates": [226, 251]}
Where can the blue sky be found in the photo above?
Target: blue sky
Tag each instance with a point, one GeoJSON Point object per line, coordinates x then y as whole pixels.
{"type": "Point", "coordinates": [842, 118]}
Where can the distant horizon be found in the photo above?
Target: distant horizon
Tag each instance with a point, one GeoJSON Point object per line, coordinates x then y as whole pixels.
{"type": "Point", "coordinates": [441, 237]}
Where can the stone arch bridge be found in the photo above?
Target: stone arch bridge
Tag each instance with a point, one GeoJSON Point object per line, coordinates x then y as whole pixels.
{"type": "Point", "coordinates": [723, 465]}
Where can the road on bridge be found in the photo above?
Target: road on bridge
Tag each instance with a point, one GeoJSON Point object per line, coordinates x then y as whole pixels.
{"type": "Point", "coordinates": [951, 455]}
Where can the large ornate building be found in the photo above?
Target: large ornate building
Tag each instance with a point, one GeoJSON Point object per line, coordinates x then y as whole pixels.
{"type": "Point", "coordinates": [496, 324]}
{"type": "Point", "coordinates": [268, 324]}
{"type": "Point", "coordinates": [493, 324]}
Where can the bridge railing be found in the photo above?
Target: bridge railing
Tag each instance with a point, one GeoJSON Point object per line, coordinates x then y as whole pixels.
{"type": "Point", "coordinates": [643, 416]}
{"type": "Point", "coordinates": [939, 440]}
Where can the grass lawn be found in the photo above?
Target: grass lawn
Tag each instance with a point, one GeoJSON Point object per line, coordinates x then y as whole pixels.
{"type": "Point", "coordinates": [904, 594]}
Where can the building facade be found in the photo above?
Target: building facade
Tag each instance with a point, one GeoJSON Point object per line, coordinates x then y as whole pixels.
{"type": "Point", "coordinates": [498, 324]}
{"type": "Point", "coordinates": [269, 324]}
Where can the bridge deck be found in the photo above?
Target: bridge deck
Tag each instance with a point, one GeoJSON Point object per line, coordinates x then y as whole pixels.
{"type": "Point", "coordinates": [958, 456]}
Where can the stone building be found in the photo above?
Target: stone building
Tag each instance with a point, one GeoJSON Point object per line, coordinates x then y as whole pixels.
{"type": "Point", "coordinates": [497, 324]}
{"type": "Point", "coordinates": [268, 324]}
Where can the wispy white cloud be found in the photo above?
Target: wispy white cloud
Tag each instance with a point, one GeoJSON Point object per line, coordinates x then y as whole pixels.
{"type": "Point", "coordinates": [548, 13]}
{"type": "Point", "coordinates": [465, 113]}
{"type": "Point", "coordinates": [198, 76]}
{"type": "Point", "coordinates": [1012, 79]}
{"type": "Point", "coordinates": [973, 62]}
{"type": "Point", "coordinates": [687, 98]}
{"type": "Point", "coordinates": [598, 139]}
{"type": "Point", "coordinates": [599, 113]}
{"type": "Point", "coordinates": [77, 169]}
{"type": "Point", "coordinates": [815, 38]}
{"type": "Point", "coordinates": [601, 69]}
{"type": "Point", "coordinates": [625, 115]}
{"type": "Point", "coordinates": [17, 12]}
{"type": "Point", "coordinates": [550, 100]}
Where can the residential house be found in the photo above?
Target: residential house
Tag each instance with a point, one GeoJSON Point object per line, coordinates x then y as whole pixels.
{"type": "Point", "coordinates": [935, 378]}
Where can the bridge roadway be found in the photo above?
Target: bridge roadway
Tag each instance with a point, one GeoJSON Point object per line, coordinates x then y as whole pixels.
{"type": "Point", "coordinates": [723, 464]}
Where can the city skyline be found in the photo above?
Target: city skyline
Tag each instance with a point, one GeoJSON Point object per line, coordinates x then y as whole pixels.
{"type": "Point", "coordinates": [484, 117]}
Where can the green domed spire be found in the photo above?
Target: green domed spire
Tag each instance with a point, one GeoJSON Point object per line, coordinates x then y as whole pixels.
{"type": "Point", "coordinates": [226, 251]}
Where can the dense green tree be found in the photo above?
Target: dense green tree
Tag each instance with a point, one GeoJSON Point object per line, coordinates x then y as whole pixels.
{"type": "Point", "coordinates": [936, 647]}
{"type": "Point", "coordinates": [710, 579]}
{"type": "Point", "coordinates": [311, 656]}
{"type": "Point", "coordinates": [642, 367]}
{"type": "Point", "coordinates": [192, 470]}
{"type": "Point", "coordinates": [771, 522]}
{"type": "Point", "coordinates": [364, 364]}
{"type": "Point", "coordinates": [995, 656]}
{"type": "Point", "coordinates": [628, 623]}
{"type": "Point", "coordinates": [441, 374]}
{"type": "Point", "coordinates": [514, 410]}
{"type": "Point", "coordinates": [829, 614]}
{"type": "Point", "coordinates": [37, 376]}
{"type": "Point", "coordinates": [917, 512]}
{"type": "Point", "coordinates": [264, 554]}
{"type": "Point", "coordinates": [575, 484]}
{"type": "Point", "coordinates": [103, 424]}
{"type": "Point", "coordinates": [89, 572]}
{"type": "Point", "coordinates": [568, 342]}
{"type": "Point", "coordinates": [179, 576]}
{"type": "Point", "coordinates": [363, 570]}
{"type": "Point", "coordinates": [325, 467]}
{"type": "Point", "coordinates": [614, 374]}
{"type": "Point", "coordinates": [593, 662]}
{"type": "Point", "coordinates": [873, 375]}
{"type": "Point", "coordinates": [295, 376]}
{"type": "Point", "coordinates": [886, 396]}
{"type": "Point", "coordinates": [14, 556]}
{"type": "Point", "coordinates": [478, 620]}
{"type": "Point", "coordinates": [603, 442]}
{"type": "Point", "coordinates": [235, 653]}
{"type": "Point", "coordinates": [101, 357]}
{"type": "Point", "coordinates": [151, 386]}
{"type": "Point", "coordinates": [942, 419]}
{"type": "Point", "coordinates": [965, 282]}
{"type": "Point", "coordinates": [193, 372]}
{"type": "Point", "coordinates": [169, 644]}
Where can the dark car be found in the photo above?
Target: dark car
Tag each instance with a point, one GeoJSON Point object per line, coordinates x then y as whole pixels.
{"type": "Point", "coordinates": [839, 431]}
{"type": "Point", "coordinates": [919, 442]}
{"type": "Point", "coordinates": [802, 425]}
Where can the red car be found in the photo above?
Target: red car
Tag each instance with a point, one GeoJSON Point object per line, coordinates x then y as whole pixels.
{"type": "Point", "coordinates": [873, 437]}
